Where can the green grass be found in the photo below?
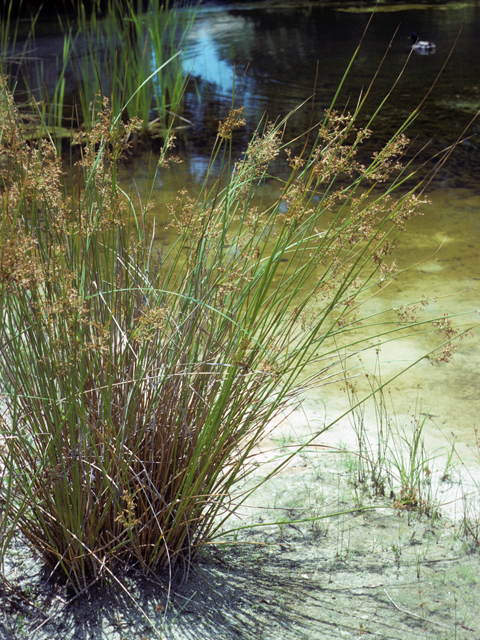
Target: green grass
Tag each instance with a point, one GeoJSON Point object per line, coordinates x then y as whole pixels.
{"type": "Point", "coordinates": [134, 57]}
{"type": "Point", "coordinates": [138, 385]}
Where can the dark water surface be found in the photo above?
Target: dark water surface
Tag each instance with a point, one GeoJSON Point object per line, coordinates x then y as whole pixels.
{"type": "Point", "coordinates": [278, 51]}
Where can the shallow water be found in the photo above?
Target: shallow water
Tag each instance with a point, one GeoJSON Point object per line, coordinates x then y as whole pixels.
{"type": "Point", "coordinates": [273, 57]}
{"type": "Point", "coordinates": [278, 50]}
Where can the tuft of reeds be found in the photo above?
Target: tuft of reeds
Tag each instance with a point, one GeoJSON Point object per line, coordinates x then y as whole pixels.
{"type": "Point", "coordinates": [390, 456]}
{"type": "Point", "coordinates": [138, 385]}
{"type": "Point", "coordinates": [132, 55]}
{"type": "Point", "coordinates": [130, 52]}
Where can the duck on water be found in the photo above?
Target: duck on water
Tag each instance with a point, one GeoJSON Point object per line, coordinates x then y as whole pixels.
{"type": "Point", "coordinates": [422, 46]}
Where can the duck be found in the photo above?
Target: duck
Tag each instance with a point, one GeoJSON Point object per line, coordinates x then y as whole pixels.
{"type": "Point", "coordinates": [422, 46]}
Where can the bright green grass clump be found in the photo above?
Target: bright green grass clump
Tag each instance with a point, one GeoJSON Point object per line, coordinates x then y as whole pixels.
{"type": "Point", "coordinates": [137, 385]}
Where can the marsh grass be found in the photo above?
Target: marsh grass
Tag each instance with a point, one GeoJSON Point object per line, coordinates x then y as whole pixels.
{"type": "Point", "coordinates": [133, 58]}
{"type": "Point", "coordinates": [137, 384]}
{"type": "Point", "coordinates": [132, 54]}
{"type": "Point", "coordinates": [391, 457]}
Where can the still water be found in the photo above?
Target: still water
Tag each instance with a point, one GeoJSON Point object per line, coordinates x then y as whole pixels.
{"type": "Point", "coordinates": [276, 58]}
{"type": "Point", "coordinates": [271, 57]}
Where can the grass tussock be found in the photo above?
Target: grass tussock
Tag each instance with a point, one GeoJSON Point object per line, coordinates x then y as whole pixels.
{"type": "Point", "coordinates": [138, 384]}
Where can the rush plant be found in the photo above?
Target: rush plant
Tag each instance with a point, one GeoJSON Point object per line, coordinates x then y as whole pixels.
{"type": "Point", "coordinates": [138, 384]}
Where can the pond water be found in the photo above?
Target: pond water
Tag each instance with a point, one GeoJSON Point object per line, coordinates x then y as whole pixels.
{"type": "Point", "coordinates": [272, 57]}
{"type": "Point", "coordinates": [273, 53]}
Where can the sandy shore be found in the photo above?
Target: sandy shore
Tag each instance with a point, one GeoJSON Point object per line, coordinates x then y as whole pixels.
{"type": "Point", "coordinates": [361, 568]}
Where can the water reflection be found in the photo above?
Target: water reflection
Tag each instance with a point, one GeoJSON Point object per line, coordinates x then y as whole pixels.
{"type": "Point", "coordinates": [278, 50]}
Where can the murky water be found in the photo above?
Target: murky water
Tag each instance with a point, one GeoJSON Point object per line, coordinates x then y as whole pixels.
{"type": "Point", "coordinates": [273, 54]}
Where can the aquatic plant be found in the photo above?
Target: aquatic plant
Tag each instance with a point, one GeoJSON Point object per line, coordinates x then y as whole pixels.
{"type": "Point", "coordinates": [132, 53]}
{"type": "Point", "coordinates": [138, 383]}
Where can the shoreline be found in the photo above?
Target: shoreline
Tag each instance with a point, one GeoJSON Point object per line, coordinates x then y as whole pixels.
{"type": "Point", "coordinates": [357, 567]}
